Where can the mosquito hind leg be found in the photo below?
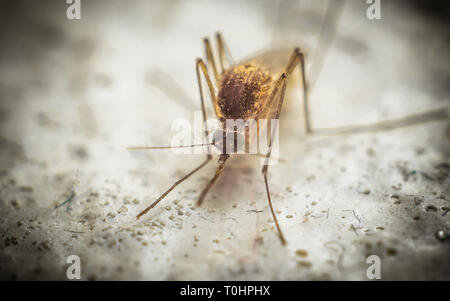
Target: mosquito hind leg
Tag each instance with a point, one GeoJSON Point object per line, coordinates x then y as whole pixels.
{"type": "Point", "coordinates": [297, 58]}
{"type": "Point", "coordinates": [333, 13]}
{"type": "Point", "coordinates": [434, 115]}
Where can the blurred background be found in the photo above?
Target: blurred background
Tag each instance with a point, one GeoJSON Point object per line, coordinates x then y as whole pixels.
{"type": "Point", "coordinates": [74, 94]}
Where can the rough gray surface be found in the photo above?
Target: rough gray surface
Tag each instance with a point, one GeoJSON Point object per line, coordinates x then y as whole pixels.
{"type": "Point", "coordinates": [75, 94]}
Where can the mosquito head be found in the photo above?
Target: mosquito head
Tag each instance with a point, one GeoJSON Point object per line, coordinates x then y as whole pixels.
{"type": "Point", "coordinates": [229, 142]}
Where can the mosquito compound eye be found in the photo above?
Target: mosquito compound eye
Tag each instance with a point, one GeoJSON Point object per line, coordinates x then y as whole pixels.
{"type": "Point", "coordinates": [218, 140]}
{"type": "Point", "coordinates": [229, 143]}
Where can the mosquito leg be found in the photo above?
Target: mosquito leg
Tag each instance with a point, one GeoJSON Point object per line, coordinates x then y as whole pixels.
{"type": "Point", "coordinates": [172, 187]}
{"type": "Point", "coordinates": [210, 60]}
{"type": "Point", "coordinates": [326, 36]}
{"type": "Point", "coordinates": [306, 111]}
{"type": "Point", "coordinates": [297, 57]}
{"type": "Point", "coordinates": [278, 95]}
{"type": "Point", "coordinates": [200, 66]}
{"type": "Point", "coordinates": [225, 62]}
{"type": "Point", "coordinates": [219, 170]}
{"type": "Point", "coordinates": [283, 240]}
{"type": "Point", "coordinates": [278, 91]}
{"type": "Point", "coordinates": [439, 114]}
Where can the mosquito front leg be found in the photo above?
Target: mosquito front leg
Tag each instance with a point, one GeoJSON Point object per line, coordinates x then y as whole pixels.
{"type": "Point", "coordinates": [210, 60]}
{"type": "Point", "coordinates": [222, 160]}
{"type": "Point", "coordinates": [221, 46]}
{"type": "Point", "coordinates": [172, 188]}
{"type": "Point", "coordinates": [200, 65]}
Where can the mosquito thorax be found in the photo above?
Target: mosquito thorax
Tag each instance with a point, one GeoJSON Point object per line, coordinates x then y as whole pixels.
{"type": "Point", "coordinates": [243, 91]}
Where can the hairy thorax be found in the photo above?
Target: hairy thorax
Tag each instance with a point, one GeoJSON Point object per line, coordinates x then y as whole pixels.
{"type": "Point", "coordinates": [244, 91]}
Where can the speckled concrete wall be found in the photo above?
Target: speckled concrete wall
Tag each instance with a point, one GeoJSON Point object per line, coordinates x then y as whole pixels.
{"type": "Point", "coordinates": [75, 94]}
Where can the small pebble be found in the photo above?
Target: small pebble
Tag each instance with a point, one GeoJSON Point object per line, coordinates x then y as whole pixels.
{"type": "Point", "coordinates": [301, 253]}
{"type": "Point", "coordinates": [441, 235]}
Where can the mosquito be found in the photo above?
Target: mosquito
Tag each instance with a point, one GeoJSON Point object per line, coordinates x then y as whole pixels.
{"type": "Point", "coordinates": [255, 89]}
